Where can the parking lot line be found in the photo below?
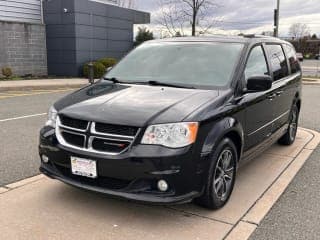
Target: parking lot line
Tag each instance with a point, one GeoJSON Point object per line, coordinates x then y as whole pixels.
{"type": "Point", "coordinates": [22, 117]}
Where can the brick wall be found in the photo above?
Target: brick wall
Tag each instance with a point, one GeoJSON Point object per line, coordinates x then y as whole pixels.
{"type": "Point", "coordinates": [23, 48]}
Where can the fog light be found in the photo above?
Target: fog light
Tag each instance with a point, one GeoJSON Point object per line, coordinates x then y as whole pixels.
{"type": "Point", "coordinates": [45, 159]}
{"type": "Point", "coordinates": [162, 185]}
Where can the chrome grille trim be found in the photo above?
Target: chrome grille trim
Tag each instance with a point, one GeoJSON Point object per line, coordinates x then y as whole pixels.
{"type": "Point", "coordinates": [110, 139]}
{"type": "Point", "coordinates": [71, 128]}
{"type": "Point", "coordinates": [60, 129]}
{"type": "Point", "coordinates": [94, 131]}
{"type": "Point", "coordinates": [90, 135]}
{"type": "Point", "coordinates": [74, 133]}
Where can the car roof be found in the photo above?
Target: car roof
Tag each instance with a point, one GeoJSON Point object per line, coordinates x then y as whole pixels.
{"type": "Point", "coordinates": [223, 38]}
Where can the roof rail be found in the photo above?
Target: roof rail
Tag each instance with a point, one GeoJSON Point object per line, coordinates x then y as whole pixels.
{"type": "Point", "coordinates": [247, 35]}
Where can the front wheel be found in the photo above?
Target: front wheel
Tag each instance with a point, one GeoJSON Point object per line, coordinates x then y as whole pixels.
{"type": "Point", "coordinates": [289, 137]}
{"type": "Point", "coordinates": [221, 176]}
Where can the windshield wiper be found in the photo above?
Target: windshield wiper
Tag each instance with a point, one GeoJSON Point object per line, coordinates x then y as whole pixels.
{"type": "Point", "coordinates": [152, 82]}
{"type": "Point", "coordinates": [157, 83]}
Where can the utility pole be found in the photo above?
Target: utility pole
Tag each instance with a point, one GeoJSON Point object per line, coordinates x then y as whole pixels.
{"type": "Point", "coordinates": [318, 64]}
{"type": "Point", "coordinates": [276, 19]}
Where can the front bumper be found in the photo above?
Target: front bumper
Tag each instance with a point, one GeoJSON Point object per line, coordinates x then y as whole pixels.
{"type": "Point", "coordinates": [131, 175]}
{"type": "Point", "coordinates": [132, 196]}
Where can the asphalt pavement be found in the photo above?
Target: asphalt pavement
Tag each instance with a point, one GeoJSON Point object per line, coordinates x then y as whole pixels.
{"type": "Point", "coordinates": [21, 118]}
{"type": "Point", "coordinates": [296, 215]}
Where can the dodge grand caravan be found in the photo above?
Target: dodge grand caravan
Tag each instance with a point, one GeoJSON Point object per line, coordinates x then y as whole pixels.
{"type": "Point", "coordinates": [173, 120]}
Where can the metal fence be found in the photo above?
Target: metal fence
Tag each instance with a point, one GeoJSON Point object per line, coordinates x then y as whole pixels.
{"type": "Point", "coordinates": [29, 11]}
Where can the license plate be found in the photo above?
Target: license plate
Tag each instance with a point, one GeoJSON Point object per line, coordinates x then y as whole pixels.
{"type": "Point", "coordinates": [84, 167]}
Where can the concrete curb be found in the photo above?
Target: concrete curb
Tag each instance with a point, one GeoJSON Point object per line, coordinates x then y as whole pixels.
{"type": "Point", "coordinates": [21, 183]}
{"type": "Point", "coordinates": [3, 190]}
{"type": "Point", "coordinates": [42, 84]}
{"type": "Point", "coordinates": [311, 81]}
{"type": "Point", "coordinates": [24, 182]}
{"type": "Point", "coordinates": [246, 226]}
{"type": "Point", "coordinates": [41, 87]}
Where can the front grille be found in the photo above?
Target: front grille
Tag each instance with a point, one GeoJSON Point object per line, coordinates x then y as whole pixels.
{"type": "Point", "coordinates": [94, 137]}
{"type": "Point", "coordinates": [73, 139]}
{"type": "Point", "coordinates": [116, 129]}
{"type": "Point", "coordinates": [106, 145]}
{"type": "Point", "coordinates": [74, 123]}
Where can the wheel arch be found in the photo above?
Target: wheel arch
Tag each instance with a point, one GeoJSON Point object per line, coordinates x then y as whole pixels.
{"type": "Point", "coordinates": [299, 104]}
{"type": "Point", "coordinates": [228, 127]}
{"type": "Point", "coordinates": [297, 100]}
{"type": "Point", "coordinates": [236, 139]}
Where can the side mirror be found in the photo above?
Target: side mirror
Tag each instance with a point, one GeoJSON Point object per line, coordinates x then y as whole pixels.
{"type": "Point", "coordinates": [108, 69]}
{"type": "Point", "coordinates": [259, 83]}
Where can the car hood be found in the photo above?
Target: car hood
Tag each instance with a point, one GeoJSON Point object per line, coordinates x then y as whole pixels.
{"type": "Point", "coordinates": [134, 105]}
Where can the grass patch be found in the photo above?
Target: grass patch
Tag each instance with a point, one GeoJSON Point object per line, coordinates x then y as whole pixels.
{"type": "Point", "coordinates": [10, 78]}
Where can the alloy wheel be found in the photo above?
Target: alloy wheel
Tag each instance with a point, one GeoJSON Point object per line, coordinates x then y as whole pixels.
{"type": "Point", "coordinates": [293, 124]}
{"type": "Point", "coordinates": [223, 174]}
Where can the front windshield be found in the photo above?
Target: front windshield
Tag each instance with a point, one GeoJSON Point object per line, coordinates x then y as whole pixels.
{"type": "Point", "coordinates": [207, 64]}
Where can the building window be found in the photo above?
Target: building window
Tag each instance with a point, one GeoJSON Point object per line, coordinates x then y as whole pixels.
{"type": "Point", "coordinates": [113, 2]}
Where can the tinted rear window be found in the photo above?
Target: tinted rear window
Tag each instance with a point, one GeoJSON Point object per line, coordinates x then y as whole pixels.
{"type": "Point", "coordinates": [292, 57]}
{"type": "Point", "coordinates": [278, 61]}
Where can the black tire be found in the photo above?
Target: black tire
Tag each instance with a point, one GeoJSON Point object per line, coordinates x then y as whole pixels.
{"type": "Point", "coordinates": [221, 176]}
{"type": "Point", "coordinates": [290, 136]}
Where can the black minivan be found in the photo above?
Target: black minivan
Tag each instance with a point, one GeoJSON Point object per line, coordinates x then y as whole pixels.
{"type": "Point", "coordinates": [174, 119]}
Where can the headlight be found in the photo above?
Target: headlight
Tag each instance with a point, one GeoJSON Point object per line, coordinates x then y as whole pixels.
{"type": "Point", "coordinates": [52, 117]}
{"type": "Point", "coordinates": [173, 135]}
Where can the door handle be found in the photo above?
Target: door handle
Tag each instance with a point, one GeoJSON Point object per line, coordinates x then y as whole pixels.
{"type": "Point", "coordinates": [271, 96]}
{"type": "Point", "coordinates": [279, 93]}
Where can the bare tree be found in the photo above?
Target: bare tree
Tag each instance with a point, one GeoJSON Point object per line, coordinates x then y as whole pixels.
{"type": "Point", "coordinates": [299, 30]}
{"type": "Point", "coordinates": [171, 17]}
{"type": "Point", "coordinates": [177, 15]}
{"type": "Point", "coordinates": [127, 3]}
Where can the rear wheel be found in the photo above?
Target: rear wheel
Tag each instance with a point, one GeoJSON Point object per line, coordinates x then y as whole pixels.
{"type": "Point", "coordinates": [289, 137]}
{"type": "Point", "coordinates": [221, 177]}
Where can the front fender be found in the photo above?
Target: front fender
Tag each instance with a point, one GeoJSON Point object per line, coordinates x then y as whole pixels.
{"type": "Point", "coordinates": [220, 129]}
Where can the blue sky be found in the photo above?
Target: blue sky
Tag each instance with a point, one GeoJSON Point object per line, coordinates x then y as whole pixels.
{"type": "Point", "coordinates": [253, 16]}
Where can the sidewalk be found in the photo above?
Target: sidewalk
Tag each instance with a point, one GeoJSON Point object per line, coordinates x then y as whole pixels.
{"type": "Point", "coordinates": [41, 208]}
{"type": "Point", "coordinates": [42, 84]}
{"type": "Point", "coordinates": [311, 81]}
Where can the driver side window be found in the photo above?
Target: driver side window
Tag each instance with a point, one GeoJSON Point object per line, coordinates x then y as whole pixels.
{"type": "Point", "coordinates": [256, 64]}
